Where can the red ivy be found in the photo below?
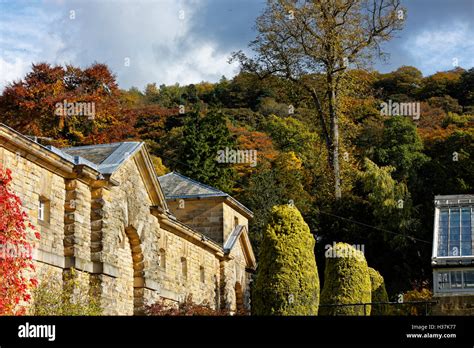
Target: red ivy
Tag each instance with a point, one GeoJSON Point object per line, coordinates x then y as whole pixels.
{"type": "Point", "coordinates": [15, 250]}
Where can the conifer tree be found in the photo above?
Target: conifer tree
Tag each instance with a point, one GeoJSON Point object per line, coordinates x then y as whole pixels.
{"type": "Point", "coordinates": [287, 280]}
{"type": "Point", "coordinates": [379, 293]}
{"type": "Point", "coordinates": [204, 136]}
{"type": "Point", "coordinates": [346, 281]}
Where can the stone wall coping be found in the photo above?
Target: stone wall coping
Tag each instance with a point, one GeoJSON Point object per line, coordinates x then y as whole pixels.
{"type": "Point", "coordinates": [80, 264]}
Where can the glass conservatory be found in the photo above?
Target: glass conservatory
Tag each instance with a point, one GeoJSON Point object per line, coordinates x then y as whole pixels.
{"type": "Point", "coordinates": [453, 245]}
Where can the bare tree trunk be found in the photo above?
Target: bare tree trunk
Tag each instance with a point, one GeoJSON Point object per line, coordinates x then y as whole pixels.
{"type": "Point", "coordinates": [334, 129]}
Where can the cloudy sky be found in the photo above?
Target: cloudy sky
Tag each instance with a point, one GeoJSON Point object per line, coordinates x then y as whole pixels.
{"type": "Point", "coordinates": [188, 41]}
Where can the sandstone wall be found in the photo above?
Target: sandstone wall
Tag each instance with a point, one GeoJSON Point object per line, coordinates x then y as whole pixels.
{"type": "Point", "coordinates": [454, 305]}
{"type": "Point", "coordinates": [230, 215]}
{"type": "Point", "coordinates": [236, 280]}
{"type": "Point", "coordinates": [203, 215]}
{"type": "Point", "coordinates": [160, 257]}
{"type": "Point", "coordinates": [32, 182]}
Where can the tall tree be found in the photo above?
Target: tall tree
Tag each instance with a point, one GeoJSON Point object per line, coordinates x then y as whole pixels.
{"type": "Point", "coordinates": [310, 42]}
{"type": "Point", "coordinates": [203, 137]}
{"type": "Point", "coordinates": [51, 101]}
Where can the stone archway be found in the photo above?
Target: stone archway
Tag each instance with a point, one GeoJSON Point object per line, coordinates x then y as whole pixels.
{"type": "Point", "coordinates": [138, 270]}
{"type": "Point", "coordinates": [239, 297]}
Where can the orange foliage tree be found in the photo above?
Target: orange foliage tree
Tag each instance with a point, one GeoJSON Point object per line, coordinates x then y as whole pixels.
{"type": "Point", "coordinates": [76, 106]}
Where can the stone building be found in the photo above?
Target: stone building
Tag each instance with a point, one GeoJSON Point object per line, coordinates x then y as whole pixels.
{"type": "Point", "coordinates": [101, 210]}
{"type": "Point", "coordinates": [220, 218]}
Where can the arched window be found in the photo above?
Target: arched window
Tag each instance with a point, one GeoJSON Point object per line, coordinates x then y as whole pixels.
{"type": "Point", "coordinates": [184, 268]}
{"type": "Point", "coordinates": [202, 274]}
{"type": "Point", "coordinates": [162, 258]}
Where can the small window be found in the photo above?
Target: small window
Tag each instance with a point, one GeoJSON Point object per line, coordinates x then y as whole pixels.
{"type": "Point", "coordinates": [236, 221]}
{"type": "Point", "coordinates": [469, 279]}
{"type": "Point", "coordinates": [443, 280]}
{"type": "Point", "coordinates": [456, 279]}
{"type": "Point", "coordinates": [202, 274]}
{"type": "Point", "coordinates": [162, 258]}
{"type": "Point", "coordinates": [184, 268]}
{"type": "Point", "coordinates": [43, 209]}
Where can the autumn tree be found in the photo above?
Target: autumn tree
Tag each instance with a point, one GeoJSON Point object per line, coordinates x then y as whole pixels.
{"type": "Point", "coordinates": [279, 183]}
{"type": "Point", "coordinates": [405, 81]}
{"type": "Point", "coordinates": [15, 250]}
{"type": "Point", "coordinates": [314, 42]}
{"type": "Point", "coordinates": [45, 103]}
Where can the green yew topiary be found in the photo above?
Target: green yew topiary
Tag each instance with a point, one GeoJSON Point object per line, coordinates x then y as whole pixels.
{"type": "Point", "coordinates": [287, 281]}
{"type": "Point", "coordinates": [379, 293]}
{"type": "Point", "coordinates": [346, 281]}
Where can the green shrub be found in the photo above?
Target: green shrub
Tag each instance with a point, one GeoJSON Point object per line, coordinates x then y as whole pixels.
{"type": "Point", "coordinates": [379, 293]}
{"type": "Point", "coordinates": [346, 281]}
{"type": "Point", "coordinates": [68, 296]}
{"type": "Point", "coordinates": [287, 281]}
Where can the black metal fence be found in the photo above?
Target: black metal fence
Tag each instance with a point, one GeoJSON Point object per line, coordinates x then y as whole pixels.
{"type": "Point", "coordinates": [420, 308]}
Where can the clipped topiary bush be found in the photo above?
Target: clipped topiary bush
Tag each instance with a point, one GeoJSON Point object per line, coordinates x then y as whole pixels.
{"type": "Point", "coordinates": [346, 281]}
{"type": "Point", "coordinates": [287, 281]}
{"type": "Point", "coordinates": [379, 293]}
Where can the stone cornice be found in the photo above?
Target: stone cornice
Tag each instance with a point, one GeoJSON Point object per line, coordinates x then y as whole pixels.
{"type": "Point", "coordinates": [35, 153]}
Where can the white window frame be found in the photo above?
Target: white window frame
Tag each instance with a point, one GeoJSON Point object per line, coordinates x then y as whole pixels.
{"type": "Point", "coordinates": [450, 290]}
{"type": "Point", "coordinates": [436, 231]}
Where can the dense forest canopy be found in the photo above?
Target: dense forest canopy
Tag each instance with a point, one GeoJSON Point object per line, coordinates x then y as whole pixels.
{"type": "Point", "coordinates": [390, 166]}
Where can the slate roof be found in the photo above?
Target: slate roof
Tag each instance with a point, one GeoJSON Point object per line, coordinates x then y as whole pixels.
{"type": "Point", "coordinates": [106, 158]}
{"type": "Point", "coordinates": [178, 186]}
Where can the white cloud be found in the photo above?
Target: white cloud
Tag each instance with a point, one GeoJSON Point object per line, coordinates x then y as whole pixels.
{"type": "Point", "coordinates": [438, 49]}
{"type": "Point", "coordinates": [157, 38]}
{"type": "Point", "coordinates": [12, 71]}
